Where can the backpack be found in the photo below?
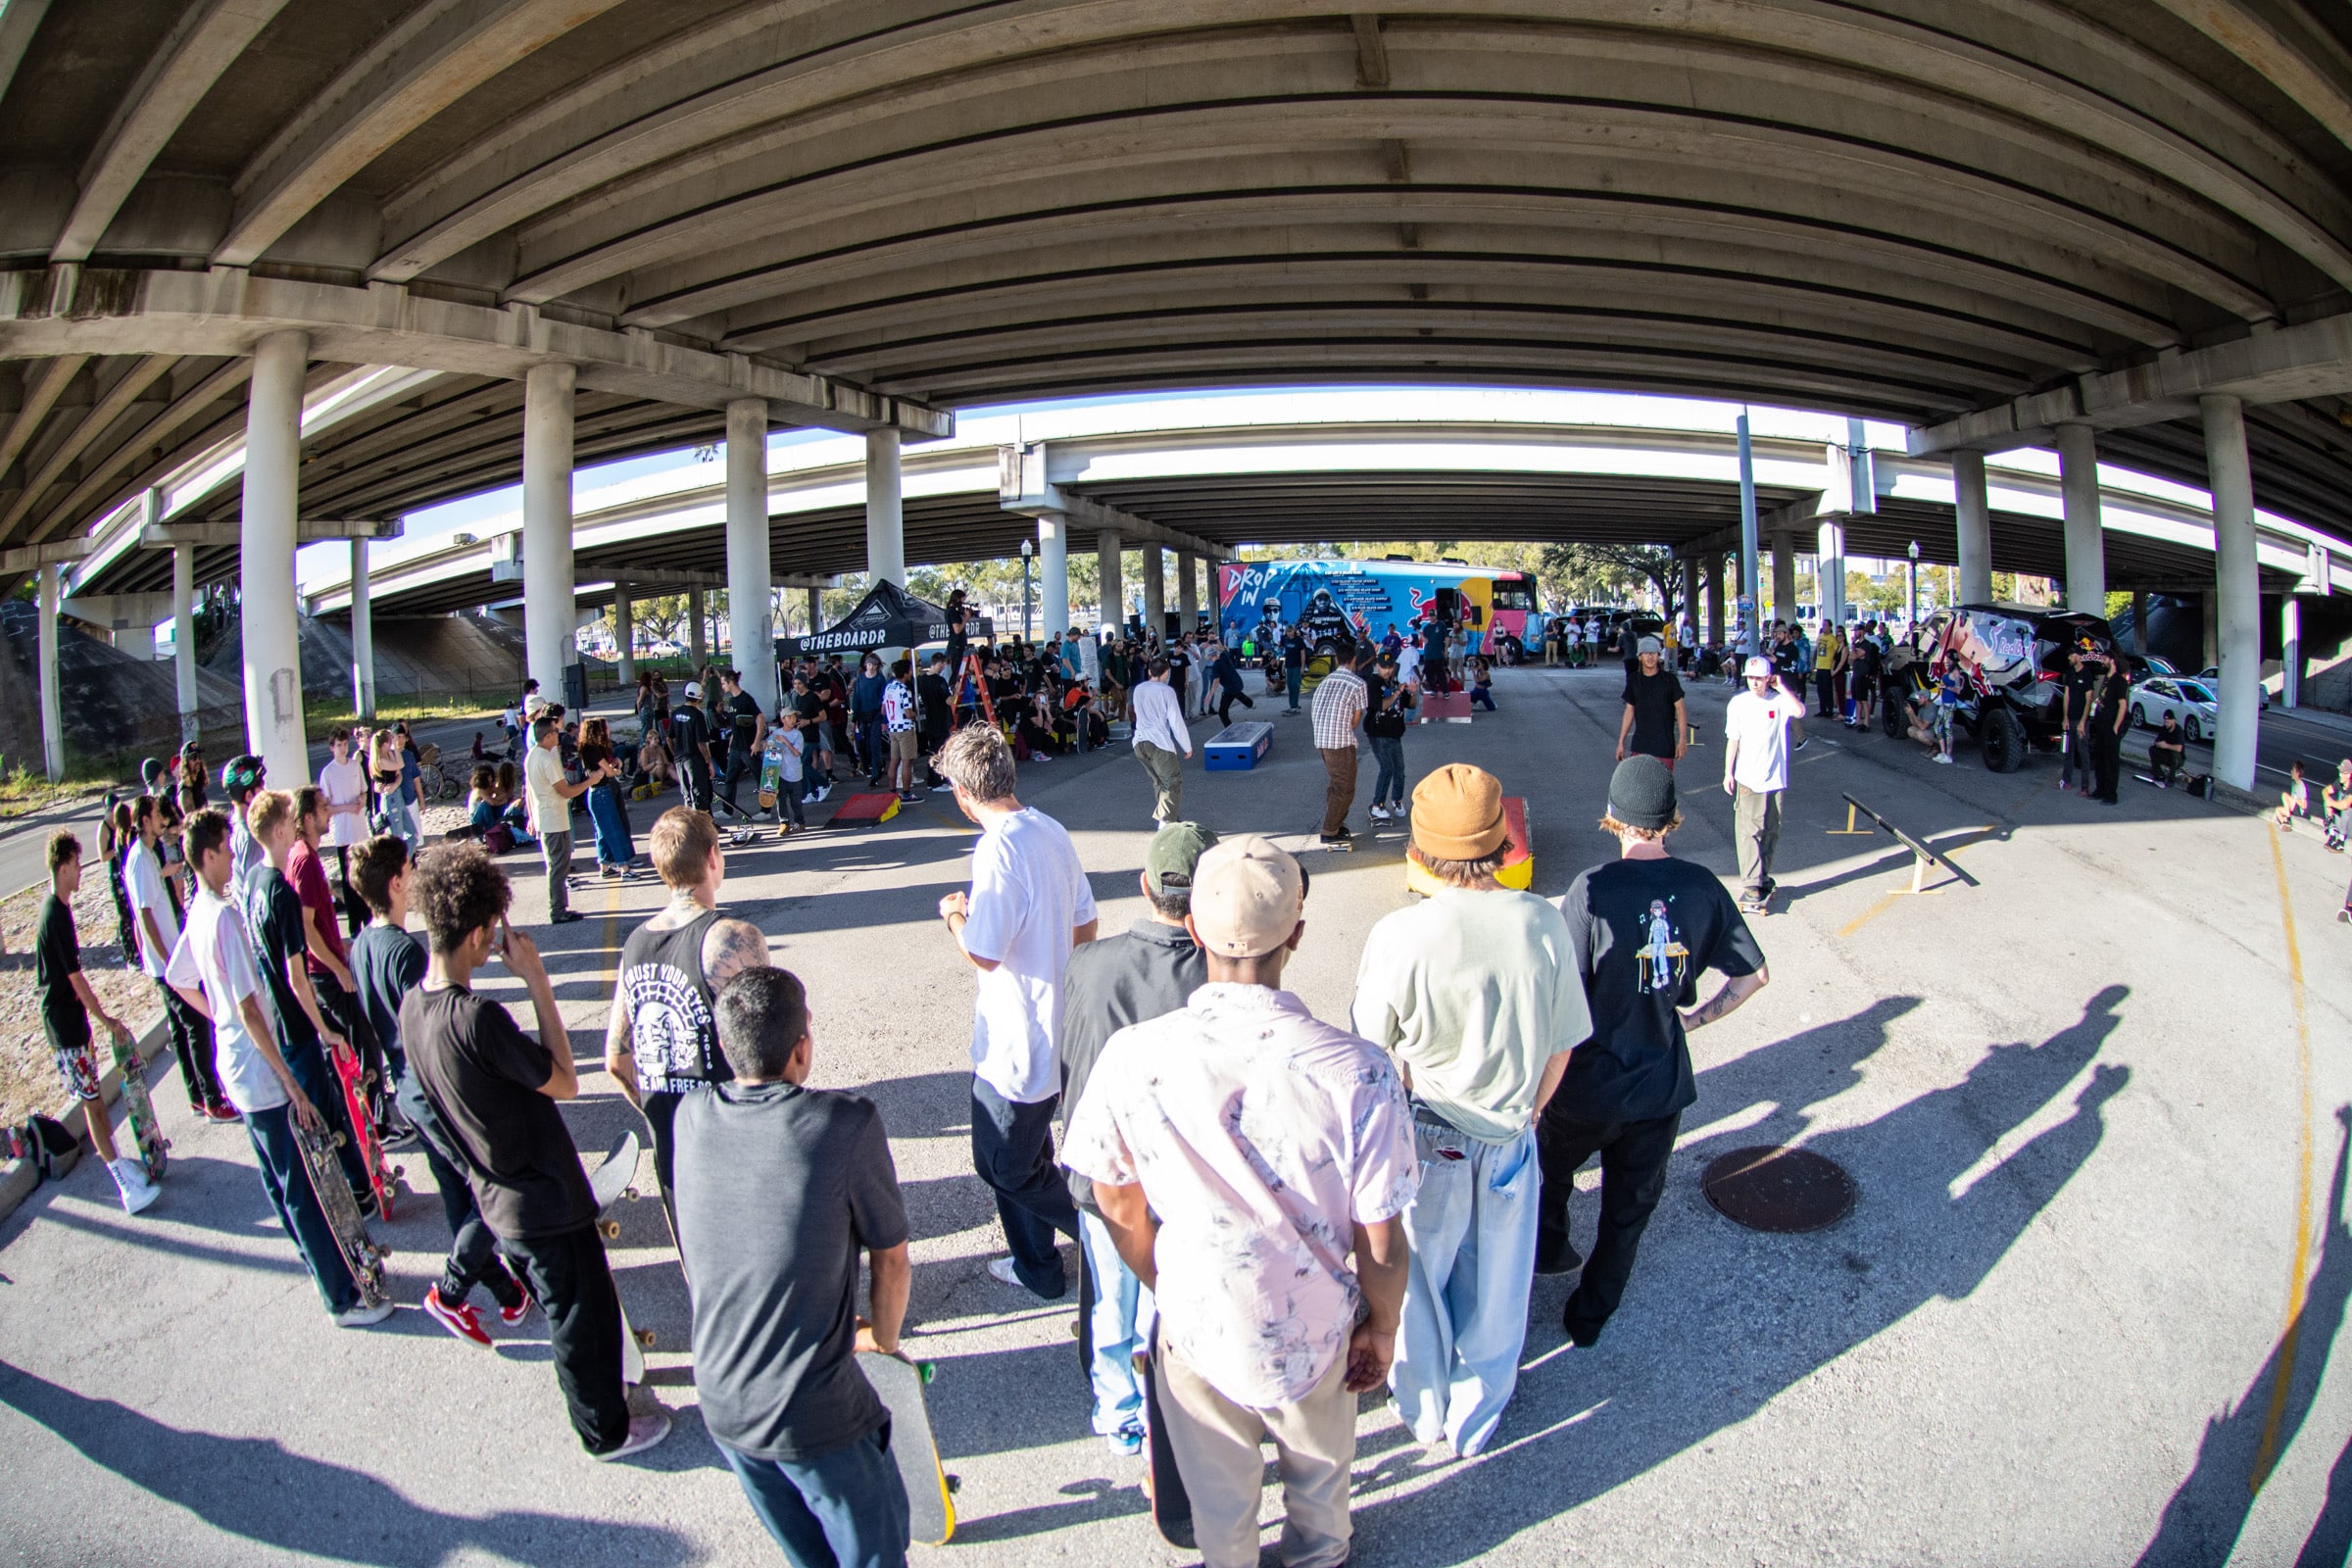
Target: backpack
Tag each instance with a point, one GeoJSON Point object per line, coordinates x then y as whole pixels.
{"type": "Point", "coordinates": [44, 1140]}
{"type": "Point", "coordinates": [498, 838]}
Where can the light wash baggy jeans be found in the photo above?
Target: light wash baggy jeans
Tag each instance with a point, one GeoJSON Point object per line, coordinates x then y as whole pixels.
{"type": "Point", "coordinates": [1121, 1328]}
{"type": "Point", "coordinates": [1472, 1235]}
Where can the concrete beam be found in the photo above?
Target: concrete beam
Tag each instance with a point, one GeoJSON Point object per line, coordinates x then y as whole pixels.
{"type": "Point", "coordinates": [227, 311]}
{"type": "Point", "coordinates": [18, 18]}
{"type": "Point", "coordinates": [2288, 64]}
{"type": "Point", "coordinates": [121, 611]}
{"type": "Point", "coordinates": [54, 553]}
{"type": "Point", "coordinates": [1022, 487]}
{"type": "Point", "coordinates": [219, 535]}
{"type": "Point", "coordinates": [670, 579]}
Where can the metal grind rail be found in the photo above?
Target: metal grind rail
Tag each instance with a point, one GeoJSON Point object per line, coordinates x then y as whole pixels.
{"type": "Point", "coordinates": [1922, 855]}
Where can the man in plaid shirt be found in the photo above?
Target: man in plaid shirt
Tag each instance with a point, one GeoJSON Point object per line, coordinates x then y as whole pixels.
{"type": "Point", "coordinates": [1339, 708]}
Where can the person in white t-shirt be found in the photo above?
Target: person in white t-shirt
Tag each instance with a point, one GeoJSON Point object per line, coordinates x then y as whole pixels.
{"type": "Point", "coordinates": [212, 969]}
{"type": "Point", "coordinates": [1758, 725]}
{"type": "Point", "coordinates": [1029, 906]}
{"type": "Point", "coordinates": [157, 924]}
{"type": "Point", "coordinates": [344, 781]}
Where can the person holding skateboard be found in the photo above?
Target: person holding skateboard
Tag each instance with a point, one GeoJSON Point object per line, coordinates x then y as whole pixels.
{"type": "Point", "coordinates": [68, 1005]}
{"type": "Point", "coordinates": [662, 1041]}
{"type": "Point", "coordinates": [157, 924]}
{"type": "Point", "coordinates": [213, 971]}
{"type": "Point", "coordinates": [386, 964]}
{"type": "Point", "coordinates": [781, 1187]}
{"type": "Point", "coordinates": [1276, 1254]}
{"type": "Point", "coordinates": [495, 1091]}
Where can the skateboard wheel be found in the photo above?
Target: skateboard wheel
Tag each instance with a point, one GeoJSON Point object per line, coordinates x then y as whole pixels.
{"type": "Point", "coordinates": [645, 1338]}
{"type": "Point", "coordinates": [629, 1193]}
{"type": "Point", "coordinates": [399, 1171]}
{"type": "Point", "coordinates": [611, 1229]}
{"type": "Point", "coordinates": [954, 1483]}
{"type": "Point", "coordinates": [929, 1370]}
{"type": "Point", "coordinates": [335, 1138]}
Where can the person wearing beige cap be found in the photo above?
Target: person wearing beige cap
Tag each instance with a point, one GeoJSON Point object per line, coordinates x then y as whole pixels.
{"type": "Point", "coordinates": [1477, 995]}
{"type": "Point", "coordinates": [1253, 1166]}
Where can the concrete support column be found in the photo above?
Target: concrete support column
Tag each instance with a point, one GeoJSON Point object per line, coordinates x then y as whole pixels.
{"type": "Point", "coordinates": [1155, 592]}
{"type": "Point", "coordinates": [1188, 592]}
{"type": "Point", "coordinates": [1749, 566]}
{"type": "Point", "coordinates": [547, 583]}
{"type": "Point", "coordinates": [1828, 561]}
{"type": "Point", "coordinates": [1974, 511]}
{"type": "Point", "coordinates": [363, 635]}
{"type": "Point", "coordinates": [2290, 652]}
{"type": "Point", "coordinates": [2139, 622]}
{"type": "Point", "coordinates": [624, 636]}
{"type": "Point", "coordinates": [816, 608]}
{"type": "Point", "coordinates": [885, 526]}
{"type": "Point", "coordinates": [1112, 587]}
{"type": "Point", "coordinates": [1715, 628]}
{"type": "Point", "coordinates": [2086, 544]}
{"type": "Point", "coordinates": [53, 731]}
{"type": "Point", "coordinates": [1784, 577]}
{"type": "Point", "coordinates": [698, 647]}
{"type": "Point", "coordinates": [268, 626]}
{"type": "Point", "coordinates": [183, 631]}
{"type": "Point", "coordinates": [1053, 573]}
{"type": "Point", "coordinates": [2209, 640]}
{"type": "Point", "coordinates": [748, 571]}
{"type": "Point", "coordinates": [2231, 478]}
{"type": "Point", "coordinates": [1691, 588]}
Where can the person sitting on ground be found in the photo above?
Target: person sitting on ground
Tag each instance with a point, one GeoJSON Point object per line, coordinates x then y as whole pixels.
{"type": "Point", "coordinates": [1482, 682]}
{"type": "Point", "coordinates": [781, 1188]}
{"type": "Point", "coordinates": [2167, 748]}
{"type": "Point", "coordinates": [68, 1005]}
{"type": "Point", "coordinates": [2336, 799]}
{"type": "Point", "coordinates": [2294, 800]}
{"type": "Point", "coordinates": [494, 1090]}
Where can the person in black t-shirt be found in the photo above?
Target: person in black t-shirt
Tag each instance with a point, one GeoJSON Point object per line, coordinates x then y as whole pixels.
{"type": "Point", "coordinates": [386, 964]}
{"type": "Point", "coordinates": [1385, 719]}
{"type": "Point", "coordinates": [495, 1091]}
{"type": "Point", "coordinates": [746, 731]}
{"type": "Point", "coordinates": [68, 1005]}
{"type": "Point", "coordinates": [783, 1187]}
{"type": "Point", "coordinates": [690, 740]}
{"type": "Point", "coordinates": [935, 708]}
{"type": "Point", "coordinates": [1643, 926]}
{"type": "Point", "coordinates": [2075, 694]}
{"type": "Point", "coordinates": [2108, 717]}
{"type": "Point", "coordinates": [1657, 722]}
{"type": "Point", "coordinates": [1870, 665]}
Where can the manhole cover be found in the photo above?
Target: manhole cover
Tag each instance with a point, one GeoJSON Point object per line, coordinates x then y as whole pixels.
{"type": "Point", "coordinates": [1775, 1189]}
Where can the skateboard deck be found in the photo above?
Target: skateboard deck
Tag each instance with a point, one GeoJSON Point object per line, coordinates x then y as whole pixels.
{"type": "Point", "coordinates": [1171, 1505]}
{"type": "Point", "coordinates": [355, 1081]}
{"type": "Point", "coordinates": [139, 1109]}
{"type": "Point", "coordinates": [610, 1183]}
{"type": "Point", "coordinates": [325, 1166]}
{"type": "Point", "coordinates": [930, 1490]}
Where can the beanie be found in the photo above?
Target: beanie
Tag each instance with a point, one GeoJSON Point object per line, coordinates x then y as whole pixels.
{"type": "Point", "coordinates": [1642, 793]}
{"type": "Point", "coordinates": [1457, 814]}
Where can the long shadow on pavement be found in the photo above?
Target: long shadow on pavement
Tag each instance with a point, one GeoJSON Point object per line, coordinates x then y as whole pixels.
{"type": "Point", "coordinates": [2208, 1512]}
{"type": "Point", "coordinates": [1701, 1351]}
{"type": "Point", "coordinates": [256, 1489]}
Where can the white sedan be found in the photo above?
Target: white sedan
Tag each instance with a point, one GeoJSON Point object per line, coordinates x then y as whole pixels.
{"type": "Point", "coordinates": [2211, 675]}
{"type": "Point", "coordinates": [2191, 701]}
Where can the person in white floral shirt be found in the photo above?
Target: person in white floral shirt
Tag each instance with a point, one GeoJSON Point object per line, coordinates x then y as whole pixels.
{"type": "Point", "coordinates": [1253, 1166]}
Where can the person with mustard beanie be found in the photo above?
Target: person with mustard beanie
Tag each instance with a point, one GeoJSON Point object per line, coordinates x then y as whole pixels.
{"type": "Point", "coordinates": [1477, 995]}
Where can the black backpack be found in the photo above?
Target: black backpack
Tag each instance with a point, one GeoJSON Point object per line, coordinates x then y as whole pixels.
{"type": "Point", "coordinates": [44, 1140]}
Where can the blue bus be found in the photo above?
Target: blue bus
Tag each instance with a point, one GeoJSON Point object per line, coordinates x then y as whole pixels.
{"type": "Point", "coordinates": [1338, 601]}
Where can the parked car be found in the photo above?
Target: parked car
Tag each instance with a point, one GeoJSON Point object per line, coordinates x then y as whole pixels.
{"type": "Point", "coordinates": [2016, 657]}
{"type": "Point", "coordinates": [2211, 675]}
{"type": "Point", "coordinates": [2191, 702]}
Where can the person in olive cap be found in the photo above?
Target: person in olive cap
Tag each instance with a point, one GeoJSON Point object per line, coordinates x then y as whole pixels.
{"type": "Point", "coordinates": [1477, 995]}
{"type": "Point", "coordinates": [1149, 971]}
{"type": "Point", "coordinates": [1643, 926]}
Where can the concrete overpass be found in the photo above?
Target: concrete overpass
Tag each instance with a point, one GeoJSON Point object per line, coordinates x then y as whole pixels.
{"type": "Point", "coordinates": [612, 225]}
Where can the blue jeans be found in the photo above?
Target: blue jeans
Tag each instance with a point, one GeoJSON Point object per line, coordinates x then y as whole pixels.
{"type": "Point", "coordinates": [1389, 752]}
{"type": "Point", "coordinates": [1472, 1235]}
{"type": "Point", "coordinates": [1290, 674]}
{"type": "Point", "coordinates": [288, 1183]}
{"type": "Point", "coordinates": [613, 846]}
{"type": "Point", "coordinates": [400, 819]}
{"type": "Point", "coordinates": [1013, 1150]}
{"type": "Point", "coordinates": [1121, 1327]}
{"type": "Point", "coordinates": [875, 744]}
{"type": "Point", "coordinates": [1483, 696]}
{"type": "Point", "coordinates": [843, 1508]}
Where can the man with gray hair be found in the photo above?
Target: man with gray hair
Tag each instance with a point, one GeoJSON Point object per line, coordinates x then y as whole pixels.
{"type": "Point", "coordinates": [1028, 908]}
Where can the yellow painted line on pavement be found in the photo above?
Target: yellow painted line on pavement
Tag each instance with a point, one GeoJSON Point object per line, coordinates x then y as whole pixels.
{"type": "Point", "coordinates": [1887, 900]}
{"type": "Point", "coordinates": [2266, 1457]}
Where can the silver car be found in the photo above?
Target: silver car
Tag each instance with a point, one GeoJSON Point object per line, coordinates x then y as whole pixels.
{"type": "Point", "coordinates": [2191, 702]}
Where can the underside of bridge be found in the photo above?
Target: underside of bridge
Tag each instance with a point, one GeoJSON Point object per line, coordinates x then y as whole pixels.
{"type": "Point", "coordinates": [1909, 211]}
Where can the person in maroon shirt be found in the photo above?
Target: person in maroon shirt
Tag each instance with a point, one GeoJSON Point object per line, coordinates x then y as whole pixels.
{"type": "Point", "coordinates": [326, 958]}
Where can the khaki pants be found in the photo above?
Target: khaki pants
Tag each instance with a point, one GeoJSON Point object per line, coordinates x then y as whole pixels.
{"type": "Point", "coordinates": [1166, 768]}
{"type": "Point", "coordinates": [1756, 829]}
{"type": "Point", "coordinates": [1216, 1443]}
{"type": "Point", "coordinates": [1340, 793]}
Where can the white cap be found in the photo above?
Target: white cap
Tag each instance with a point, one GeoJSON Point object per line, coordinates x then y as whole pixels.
{"type": "Point", "coordinates": [1757, 664]}
{"type": "Point", "coordinates": [693, 690]}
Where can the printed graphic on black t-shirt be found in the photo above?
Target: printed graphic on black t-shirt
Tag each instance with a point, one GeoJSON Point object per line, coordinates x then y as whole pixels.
{"type": "Point", "coordinates": [672, 1036]}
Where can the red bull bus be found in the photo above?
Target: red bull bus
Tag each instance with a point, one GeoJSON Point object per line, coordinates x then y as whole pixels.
{"type": "Point", "coordinates": [1337, 603]}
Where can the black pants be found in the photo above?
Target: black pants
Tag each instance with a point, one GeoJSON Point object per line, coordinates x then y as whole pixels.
{"type": "Point", "coordinates": [192, 1044]}
{"type": "Point", "coordinates": [2107, 755]}
{"type": "Point", "coordinates": [694, 784]}
{"type": "Point", "coordinates": [660, 1109]}
{"type": "Point", "coordinates": [739, 764]}
{"type": "Point", "coordinates": [1633, 1174]}
{"type": "Point", "coordinates": [569, 1275]}
{"type": "Point", "coordinates": [472, 1250]}
{"type": "Point", "coordinates": [1013, 1149]}
{"type": "Point", "coordinates": [355, 907]}
{"type": "Point", "coordinates": [1233, 695]}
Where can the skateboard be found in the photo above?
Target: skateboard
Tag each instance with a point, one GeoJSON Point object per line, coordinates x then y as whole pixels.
{"type": "Point", "coordinates": [325, 1166]}
{"type": "Point", "coordinates": [930, 1490]}
{"type": "Point", "coordinates": [610, 1185]}
{"type": "Point", "coordinates": [356, 1082]}
{"type": "Point", "coordinates": [139, 1110]}
{"type": "Point", "coordinates": [1171, 1505]}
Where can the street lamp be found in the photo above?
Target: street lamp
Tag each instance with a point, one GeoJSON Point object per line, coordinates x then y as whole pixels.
{"type": "Point", "coordinates": [1911, 612]}
{"type": "Point", "coordinates": [1028, 549]}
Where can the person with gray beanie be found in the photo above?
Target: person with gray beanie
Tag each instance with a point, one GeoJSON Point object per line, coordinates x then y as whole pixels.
{"type": "Point", "coordinates": [1643, 927]}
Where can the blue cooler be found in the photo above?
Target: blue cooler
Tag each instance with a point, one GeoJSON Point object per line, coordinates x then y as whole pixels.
{"type": "Point", "coordinates": [1236, 748]}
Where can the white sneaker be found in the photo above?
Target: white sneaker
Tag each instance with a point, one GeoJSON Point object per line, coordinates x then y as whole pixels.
{"type": "Point", "coordinates": [644, 1432]}
{"type": "Point", "coordinates": [1000, 1268]}
{"type": "Point", "coordinates": [363, 1317]}
{"type": "Point", "coordinates": [131, 1180]}
{"type": "Point", "coordinates": [1380, 813]}
{"type": "Point", "coordinates": [1944, 757]}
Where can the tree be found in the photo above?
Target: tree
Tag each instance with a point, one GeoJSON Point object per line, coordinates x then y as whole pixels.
{"type": "Point", "coordinates": [1590, 572]}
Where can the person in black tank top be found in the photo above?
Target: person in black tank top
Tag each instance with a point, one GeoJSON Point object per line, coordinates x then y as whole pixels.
{"type": "Point", "coordinates": [661, 1042]}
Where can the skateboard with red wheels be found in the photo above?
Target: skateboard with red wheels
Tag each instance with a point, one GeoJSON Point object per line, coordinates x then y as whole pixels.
{"type": "Point", "coordinates": [357, 1083]}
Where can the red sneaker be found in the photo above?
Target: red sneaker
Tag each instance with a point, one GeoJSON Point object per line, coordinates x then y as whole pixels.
{"type": "Point", "coordinates": [460, 1319]}
{"type": "Point", "coordinates": [223, 1110]}
{"type": "Point", "coordinates": [522, 1308]}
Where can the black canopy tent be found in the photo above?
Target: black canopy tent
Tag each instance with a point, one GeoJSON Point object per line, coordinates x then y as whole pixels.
{"type": "Point", "coordinates": [888, 616]}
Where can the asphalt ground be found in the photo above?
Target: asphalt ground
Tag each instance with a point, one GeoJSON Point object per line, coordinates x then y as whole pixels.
{"type": "Point", "coordinates": [2087, 1297]}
